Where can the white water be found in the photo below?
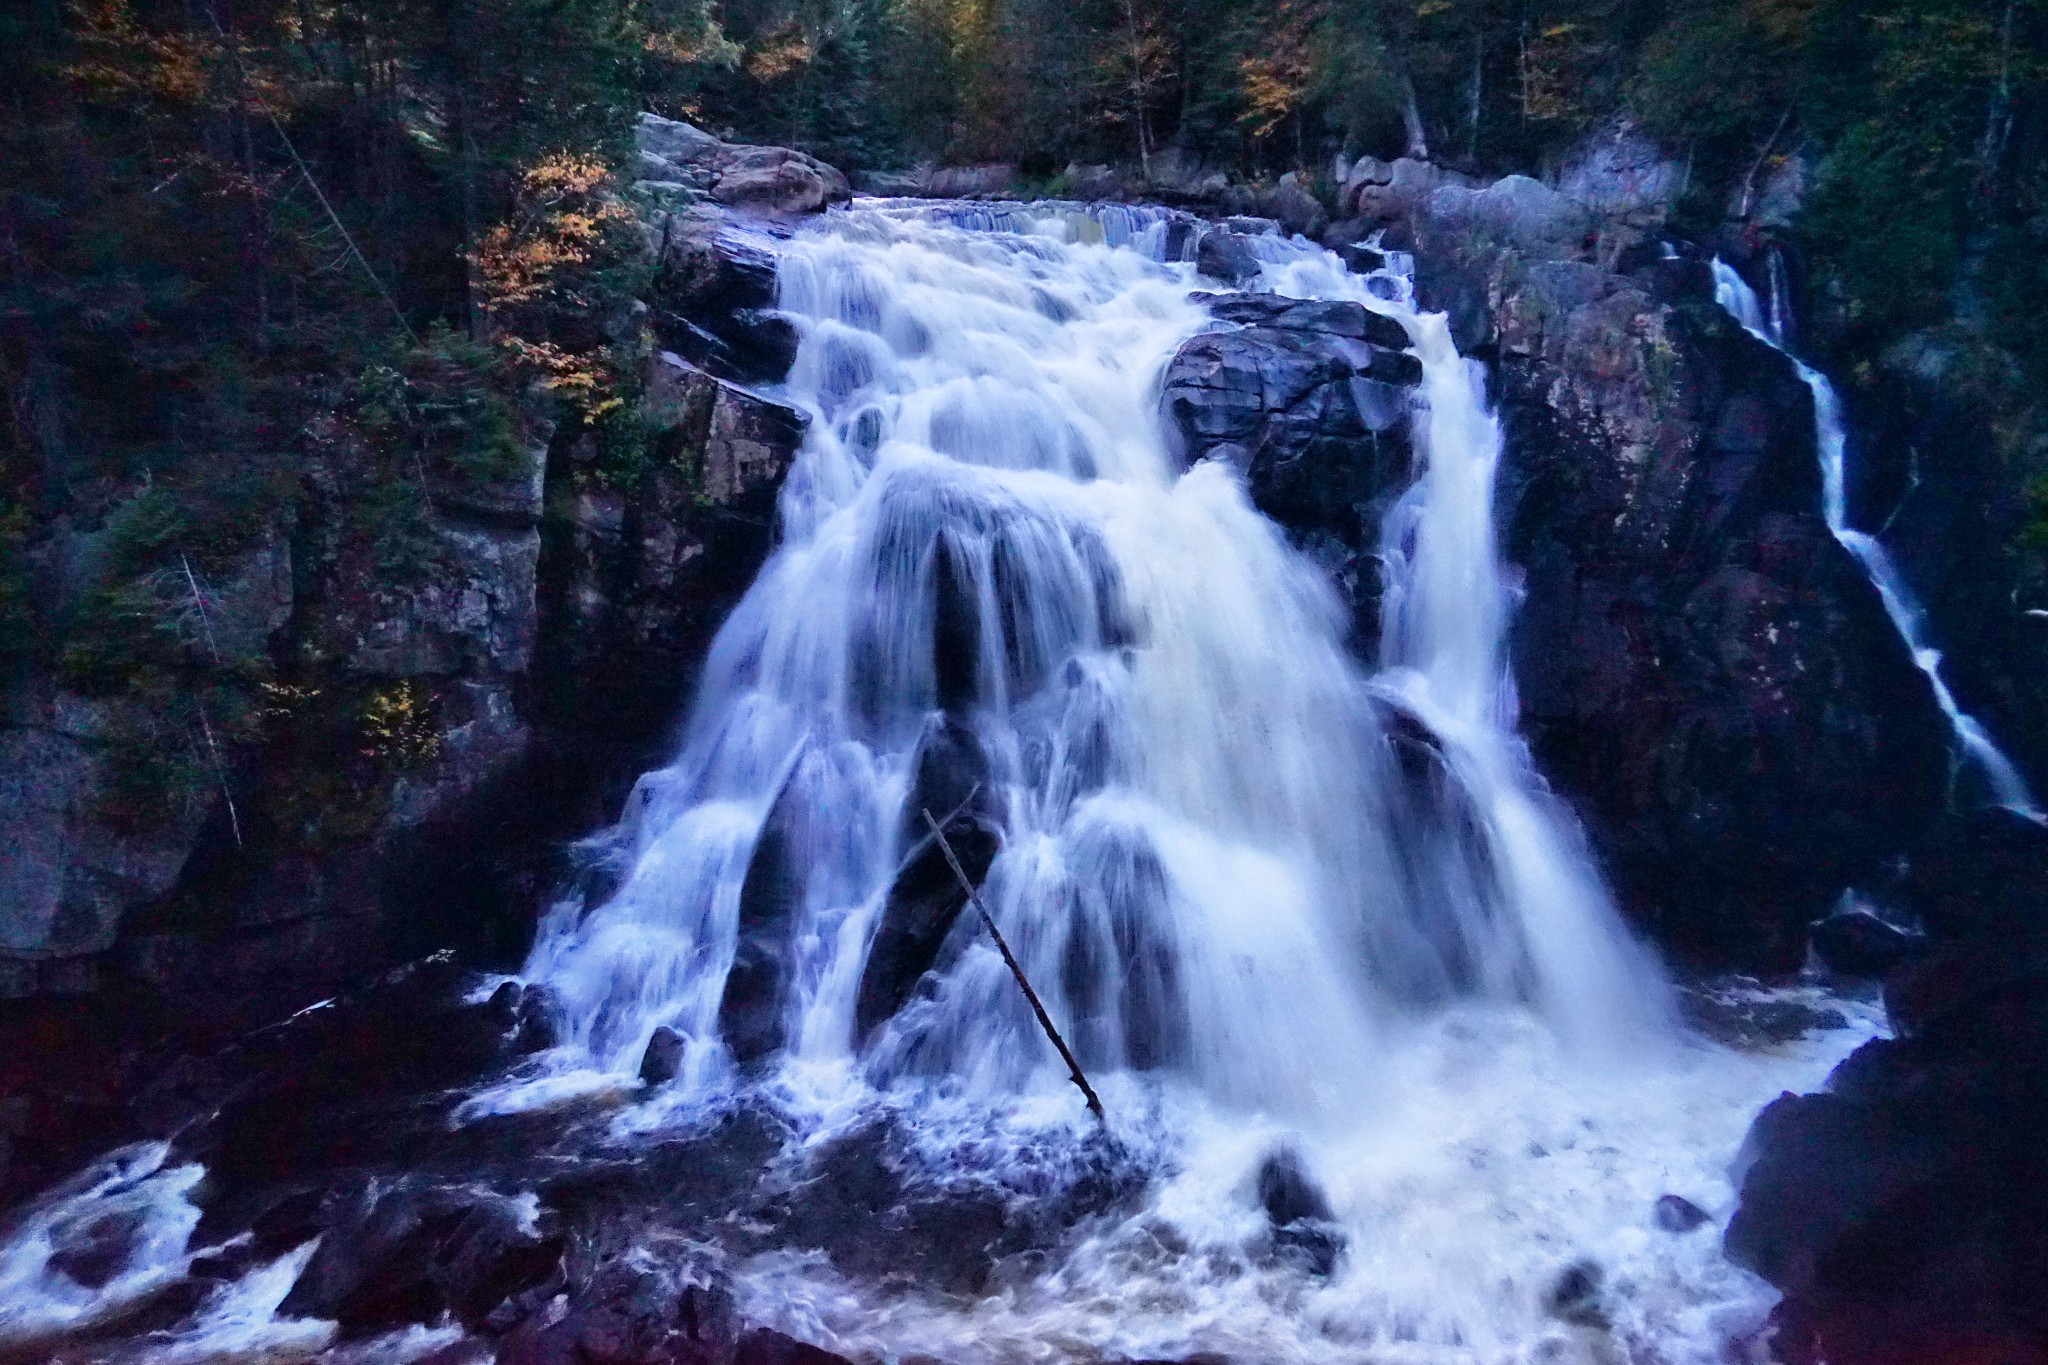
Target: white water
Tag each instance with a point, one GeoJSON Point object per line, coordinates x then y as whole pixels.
{"type": "Point", "coordinates": [1831, 439]}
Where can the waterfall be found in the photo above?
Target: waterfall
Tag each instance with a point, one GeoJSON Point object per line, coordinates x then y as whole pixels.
{"type": "Point", "coordinates": [1278, 899]}
{"type": "Point", "coordinates": [1831, 441]}
{"type": "Point", "coordinates": [1209, 857]}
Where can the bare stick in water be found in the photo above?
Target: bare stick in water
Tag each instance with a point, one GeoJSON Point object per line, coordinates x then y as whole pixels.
{"type": "Point", "coordinates": [1044, 1020]}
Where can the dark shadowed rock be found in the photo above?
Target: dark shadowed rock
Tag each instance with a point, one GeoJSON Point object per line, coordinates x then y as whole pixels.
{"type": "Point", "coordinates": [1904, 1212]}
{"type": "Point", "coordinates": [1575, 1295]}
{"type": "Point", "coordinates": [1703, 670]}
{"type": "Point", "coordinates": [1856, 943]}
{"type": "Point", "coordinates": [1676, 1213]}
{"type": "Point", "coordinates": [1304, 1230]}
{"type": "Point", "coordinates": [662, 1062]}
{"type": "Point", "coordinates": [1310, 400]}
{"type": "Point", "coordinates": [763, 1347]}
{"type": "Point", "coordinates": [756, 989]}
{"type": "Point", "coordinates": [411, 1253]}
{"type": "Point", "coordinates": [951, 781]}
{"type": "Point", "coordinates": [1226, 256]}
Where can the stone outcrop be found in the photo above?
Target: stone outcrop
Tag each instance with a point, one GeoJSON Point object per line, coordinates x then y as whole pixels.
{"type": "Point", "coordinates": [1703, 669]}
{"type": "Point", "coordinates": [755, 180]}
{"type": "Point", "coordinates": [1310, 401]}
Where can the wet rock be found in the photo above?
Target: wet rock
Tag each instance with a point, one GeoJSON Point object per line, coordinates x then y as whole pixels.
{"type": "Point", "coordinates": [535, 1029]}
{"type": "Point", "coordinates": [952, 782]}
{"type": "Point", "coordinates": [635, 583]}
{"type": "Point", "coordinates": [713, 296]}
{"type": "Point", "coordinates": [763, 1347]}
{"type": "Point", "coordinates": [1304, 1230]}
{"type": "Point", "coordinates": [1704, 672]}
{"type": "Point", "coordinates": [411, 1253]}
{"type": "Point", "coordinates": [662, 1062]}
{"type": "Point", "coordinates": [1856, 943]}
{"type": "Point", "coordinates": [1904, 1212]}
{"type": "Point", "coordinates": [751, 1011]}
{"type": "Point", "coordinates": [1575, 1295]}
{"type": "Point", "coordinates": [1310, 401]}
{"type": "Point", "coordinates": [1742, 1012]}
{"type": "Point", "coordinates": [885, 1214]}
{"type": "Point", "coordinates": [1363, 260]}
{"type": "Point", "coordinates": [1226, 256]}
{"type": "Point", "coordinates": [93, 1254]}
{"type": "Point", "coordinates": [1286, 1192]}
{"type": "Point", "coordinates": [502, 1008]}
{"type": "Point", "coordinates": [629, 1310]}
{"type": "Point", "coordinates": [1676, 1213]}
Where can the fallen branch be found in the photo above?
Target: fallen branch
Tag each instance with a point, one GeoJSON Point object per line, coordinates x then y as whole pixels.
{"type": "Point", "coordinates": [1037, 1007]}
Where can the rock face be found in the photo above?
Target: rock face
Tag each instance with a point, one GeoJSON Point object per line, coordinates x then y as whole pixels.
{"type": "Point", "coordinates": [543, 1236]}
{"type": "Point", "coordinates": [1702, 667]}
{"type": "Point", "coordinates": [1311, 402]}
{"type": "Point", "coordinates": [489, 702]}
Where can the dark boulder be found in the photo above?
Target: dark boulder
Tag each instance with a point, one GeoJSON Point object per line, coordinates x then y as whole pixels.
{"type": "Point", "coordinates": [952, 782]}
{"type": "Point", "coordinates": [757, 988]}
{"type": "Point", "coordinates": [1227, 256]}
{"type": "Point", "coordinates": [1305, 1232]}
{"type": "Point", "coordinates": [412, 1253]}
{"type": "Point", "coordinates": [1856, 943]}
{"type": "Point", "coordinates": [662, 1062]}
{"type": "Point", "coordinates": [1575, 1295]}
{"type": "Point", "coordinates": [1310, 400]}
{"type": "Point", "coordinates": [1676, 1213]}
{"type": "Point", "coordinates": [1904, 1212]}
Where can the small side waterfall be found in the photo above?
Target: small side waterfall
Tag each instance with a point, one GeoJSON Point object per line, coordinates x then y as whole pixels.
{"type": "Point", "coordinates": [1831, 439]}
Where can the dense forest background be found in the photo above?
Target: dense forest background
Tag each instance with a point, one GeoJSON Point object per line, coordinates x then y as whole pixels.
{"type": "Point", "coordinates": [257, 254]}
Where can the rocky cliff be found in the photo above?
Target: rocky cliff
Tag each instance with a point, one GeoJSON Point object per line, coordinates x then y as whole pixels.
{"type": "Point", "coordinates": [427, 741]}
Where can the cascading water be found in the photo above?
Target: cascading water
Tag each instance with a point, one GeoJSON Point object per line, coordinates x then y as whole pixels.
{"type": "Point", "coordinates": [1211, 863]}
{"type": "Point", "coordinates": [1205, 846]}
{"type": "Point", "coordinates": [1831, 439]}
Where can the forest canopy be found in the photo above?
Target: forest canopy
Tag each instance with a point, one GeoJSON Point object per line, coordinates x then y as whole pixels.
{"type": "Point", "coordinates": [231, 226]}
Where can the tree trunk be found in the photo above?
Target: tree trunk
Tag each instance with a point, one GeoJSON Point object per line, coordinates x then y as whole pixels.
{"type": "Point", "coordinates": [1411, 116]}
{"type": "Point", "coordinates": [1478, 75]}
